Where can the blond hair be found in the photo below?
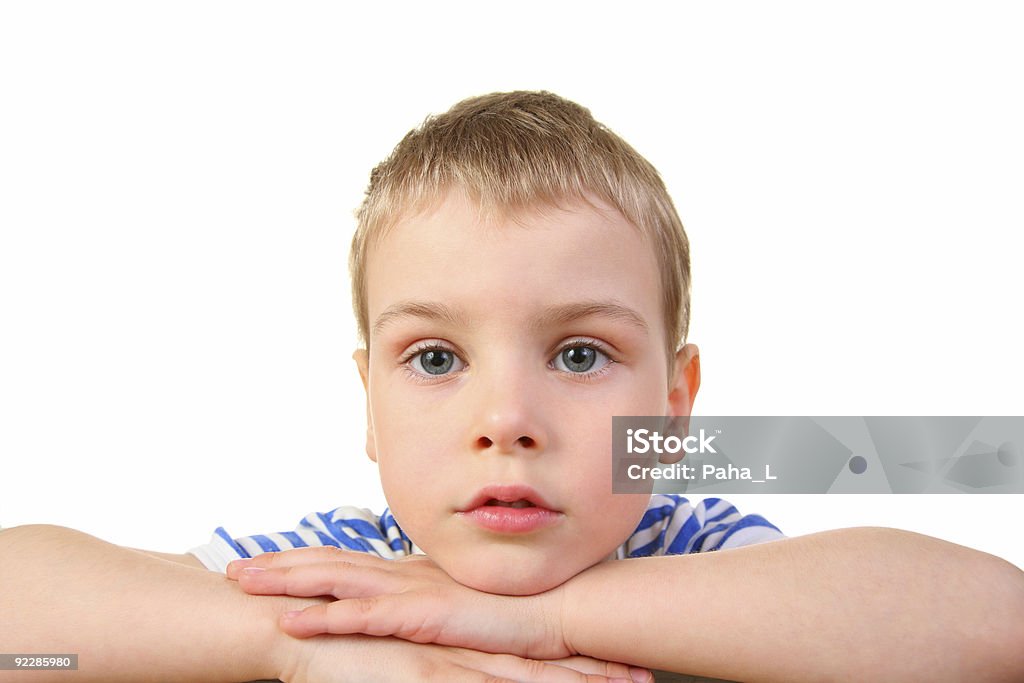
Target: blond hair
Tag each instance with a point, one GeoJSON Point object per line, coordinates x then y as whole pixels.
{"type": "Point", "coordinates": [518, 150]}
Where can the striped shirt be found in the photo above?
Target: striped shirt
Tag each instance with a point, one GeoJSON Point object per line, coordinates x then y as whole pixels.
{"type": "Point", "coordinates": [670, 526]}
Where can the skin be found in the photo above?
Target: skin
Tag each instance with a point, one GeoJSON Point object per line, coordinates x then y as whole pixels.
{"type": "Point", "coordinates": [848, 604]}
{"type": "Point", "coordinates": [511, 409]}
{"type": "Point", "coordinates": [132, 616]}
{"type": "Point", "coordinates": [508, 416]}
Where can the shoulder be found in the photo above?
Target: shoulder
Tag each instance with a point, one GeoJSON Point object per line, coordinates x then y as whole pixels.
{"type": "Point", "coordinates": [359, 529]}
{"type": "Point", "coordinates": [673, 525]}
{"type": "Point", "coordinates": [345, 527]}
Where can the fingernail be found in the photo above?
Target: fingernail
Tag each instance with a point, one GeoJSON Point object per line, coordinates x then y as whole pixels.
{"type": "Point", "coordinates": [640, 675]}
{"type": "Point", "coordinates": [253, 570]}
{"type": "Point", "coordinates": [240, 563]}
{"type": "Point", "coordinates": [292, 614]}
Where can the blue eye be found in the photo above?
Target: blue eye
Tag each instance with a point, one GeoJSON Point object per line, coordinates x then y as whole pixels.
{"type": "Point", "coordinates": [435, 362]}
{"type": "Point", "coordinates": [579, 359]}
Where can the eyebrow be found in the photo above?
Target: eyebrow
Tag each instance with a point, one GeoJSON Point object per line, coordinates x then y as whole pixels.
{"type": "Point", "coordinates": [550, 317]}
{"type": "Point", "coordinates": [567, 313]}
{"type": "Point", "coordinates": [424, 310]}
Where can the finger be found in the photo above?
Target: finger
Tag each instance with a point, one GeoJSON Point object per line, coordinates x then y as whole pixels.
{"type": "Point", "coordinates": [380, 615]}
{"type": "Point", "coordinates": [416, 616]}
{"type": "Point", "coordinates": [611, 669]}
{"type": "Point", "coordinates": [300, 556]}
{"type": "Point", "coordinates": [460, 674]}
{"type": "Point", "coordinates": [341, 579]}
{"type": "Point", "coordinates": [411, 662]}
{"type": "Point", "coordinates": [535, 670]}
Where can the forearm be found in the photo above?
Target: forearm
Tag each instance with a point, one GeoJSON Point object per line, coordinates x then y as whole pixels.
{"type": "Point", "coordinates": [130, 616]}
{"type": "Point", "coordinates": [852, 604]}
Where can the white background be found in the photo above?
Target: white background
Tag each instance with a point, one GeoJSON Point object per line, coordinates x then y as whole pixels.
{"type": "Point", "coordinates": [176, 189]}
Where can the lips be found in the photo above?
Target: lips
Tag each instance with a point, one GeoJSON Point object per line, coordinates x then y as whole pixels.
{"type": "Point", "coordinates": [509, 509]}
{"type": "Point", "coordinates": [514, 496]}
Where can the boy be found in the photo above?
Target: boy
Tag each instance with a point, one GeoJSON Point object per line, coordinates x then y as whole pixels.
{"type": "Point", "coordinates": [519, 277]}
{"type": "Point", "coordinates": [596, 290]}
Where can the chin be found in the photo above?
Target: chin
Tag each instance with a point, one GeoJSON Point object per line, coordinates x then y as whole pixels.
{"type": "Point", "coordinates": [510, 578]}
{"type": "Point", "coordinates": [508, 585]}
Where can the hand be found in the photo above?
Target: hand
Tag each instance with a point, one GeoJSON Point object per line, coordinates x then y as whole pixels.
{"type": "Point", "coordinates": [366, 659]}
{"type": "Point", "coordinates": [411, 598]}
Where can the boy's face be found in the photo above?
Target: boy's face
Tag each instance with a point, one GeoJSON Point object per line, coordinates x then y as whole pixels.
{"type": "Point", "coordinates": [498, 355]}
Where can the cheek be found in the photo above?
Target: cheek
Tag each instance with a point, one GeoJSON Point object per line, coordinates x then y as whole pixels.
{"type": "Point", "coordinates": [610, 519]}
{"type": "Point", "coordinates": [412, 443]}
{"type": "Point", "coordinates": [640, 388]}
{"type": "Point", "coordinates": [405, 428]}
{"type": "Point", "coordinates": [607, 516]}
{"type": "Point", "coordinates": [625, 511]}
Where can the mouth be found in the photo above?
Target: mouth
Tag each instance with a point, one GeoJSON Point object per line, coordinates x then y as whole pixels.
{"type": "Point", "coordinates": [494, 502]}
{"type": "Point", "coordinates": [515, 496]}
{"type": "Point", "coordinates": [510, 510]}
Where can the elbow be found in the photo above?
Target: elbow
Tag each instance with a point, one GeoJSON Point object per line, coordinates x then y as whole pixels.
{"type": "Point", "coordinates": [29, 535]}
{"type": "Point", "coordinates": [1005, 651]}
{"type": "Point", "coordinates": [1015, 643]}
{"type": "Point", "coordinates": [9, 533]}
{"type": "Point", "coordinates": [983, 597]}
{"type": "Point", "coordinates": [19, 546]}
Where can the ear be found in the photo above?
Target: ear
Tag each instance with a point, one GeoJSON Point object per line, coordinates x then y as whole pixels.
{"type": "Point", "coordinates": [362, 359]}
{"type": "Point", "coordinates": [682, 393]}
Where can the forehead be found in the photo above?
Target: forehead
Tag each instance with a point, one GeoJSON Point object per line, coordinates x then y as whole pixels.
{"type": "Point", "coordinates": [508, 267]}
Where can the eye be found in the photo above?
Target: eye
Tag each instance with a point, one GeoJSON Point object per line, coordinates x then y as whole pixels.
{"type": "Point", "coordinates": [435, 361]}
{"type": "Point", "coordinates": [580, 359]}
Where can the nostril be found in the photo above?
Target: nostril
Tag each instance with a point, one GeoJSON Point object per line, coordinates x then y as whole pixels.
{"type": "Point", "coordinates": [525, 441]}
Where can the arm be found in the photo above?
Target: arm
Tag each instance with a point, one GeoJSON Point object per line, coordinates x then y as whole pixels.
{"type": "Point", "coordinates": [128, 615]}
{"type": "Point", "coordinates": [851, 604]}
{"type": "Point", "coordinates": [133, 615]}
{"type": "Point", "coordinates": [184, 558]}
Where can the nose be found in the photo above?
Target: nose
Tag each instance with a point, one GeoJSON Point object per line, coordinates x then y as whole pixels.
{"type": "Point", "coordinates": [508, 414]}
{"type": "Point", "coordinates": [501, 443]}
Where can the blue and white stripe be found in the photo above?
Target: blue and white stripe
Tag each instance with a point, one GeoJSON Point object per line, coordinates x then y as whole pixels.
{"type": "Point", "coordinates": [670, 526]}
